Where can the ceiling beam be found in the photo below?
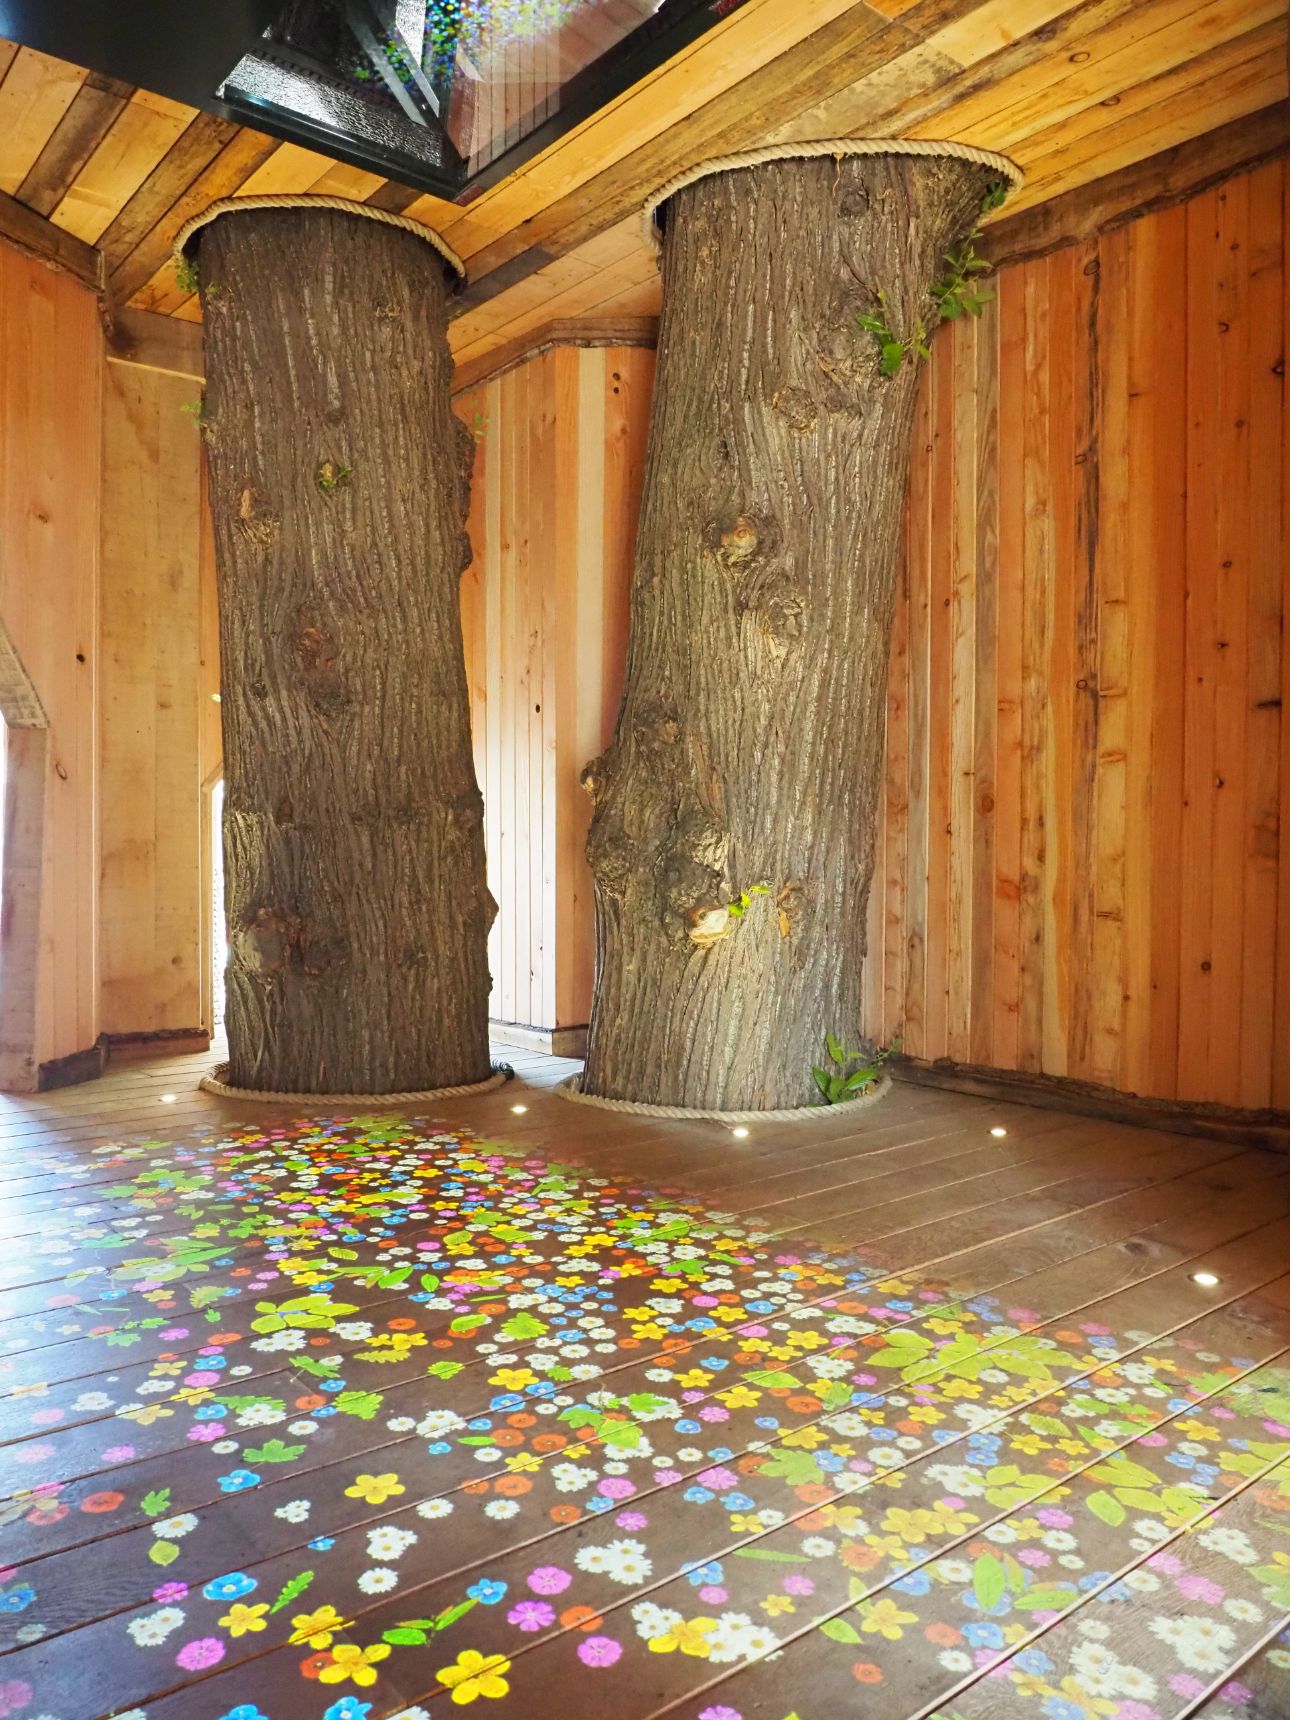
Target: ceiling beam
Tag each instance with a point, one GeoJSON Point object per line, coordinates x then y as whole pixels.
{"type": "Point", "coordinates": [38, 237]}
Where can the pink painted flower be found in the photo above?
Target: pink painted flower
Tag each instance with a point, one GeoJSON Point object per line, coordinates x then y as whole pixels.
{"type": "Point", "coordinates": [531, 1615]}
{"type": "Point", "coordinates": [169, 1592]}
{"type": "Point", "coordinates": [1183, 1684]}
{"type": "Point", "coordinates": [796, 1584]}
{"type": "Point", "coordinates": [1051, 1518]}
{"type": "Point", "coordinates": [713, 1596]}
{"type": "Point", "coordinates": [203, 1652]}
{"type": "Point", "coordinates": [549, 1580]}
{"type": "Point", "coordinates": [15, 1694]}
{"type": "Point", "coordinates": [631, 1520]}
{"type": "Point", "coordinates": [118, 1454]}
{"type": "Point", "coordinates": [617, 1487]}
{"type": "Point", "coordinates": [719, 1479]}
{"type": "Point", "coordinates": [721, 1711]}
{"type": "Point", "coordinates": [714, 1412]}
{"type": "Point", "coordinates": [1198, 1588]}
{"type": "Point", "coordinates": [205, 1431]}
{"type": "Point", "coordinates": [667, 1477]}
{"type": "Point", "coordinates": [1238, 1693]}
{"type": "Point", "coordinates": [599, 1651]}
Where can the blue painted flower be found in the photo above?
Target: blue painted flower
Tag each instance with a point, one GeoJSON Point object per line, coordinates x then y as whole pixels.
{"type": "Point", "coordinates": [599, 1503]}
{"type": "Point", "coordinates": [17, 1600]}
{"type": "Point", "coordinates": [238, 1480]}
{"type": "Point", "coordinates": [1034, 1661]}
{"type": "Point", "coordinates": [348, 1708]}
{"type": "Point", "coordinates": [244, 1711]}
{"type": "Point", "coordinates": [705, 1576]}
{"type": "Point", "coordinates": [720, 1453]}
{"type": "Point", "coordinates": [916, 1583]}
{"type": "Point", "coordinates": [210, 1412]}
{"type": "Point", "coordinates": [437, 1447]}
{"type": "Point", "coordinates": [230, 1588]}
{"type": "Point", "coordinates": [698, 1495]}
{"type": "Point", "coordinates": [984, 1635]}
{"type": "Point", "coordinates": [332, 1385]}
{"type": "Point", "coordinates": [737, 1502]}
{"type": "Point", "coordinates": [773, 1421]}
{"type": "Point", "coordinates": [688, 1426]}
{"type": "Point", "coordinates": [488, 1593]}
{"type": "Point", "coordinates": [322, 1543]}
{"type": "Point", "coordinates": [1061, 1708]}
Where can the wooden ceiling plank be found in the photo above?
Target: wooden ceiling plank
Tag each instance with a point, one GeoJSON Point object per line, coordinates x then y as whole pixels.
{"type": "Point", "coordinates": [8, 51]}
{"type": "Point", "coordinates": [1147, 41]}
{"type": "Point", "coordinates": [754, 40]}
{"type": "Point", "coordinates": [234, 164]}
{"type": "Point", "coordinates": [136, 142]}
{"type": "Point", "coordinates": [1222, 63]}
{"type": "Point", "coordinates": [195, 148]}
{"type": "Point", "coordinates": [857, 110]}
{"type": "Point", "coordinates": [342, 181]}
{"type": "Point", "coordinates": [824, 62]}
{"type": "Point", "coordinates": [1144, 188]}
{"type": "Point", "coordinates": [156, 343]}
{"type": "Point", "coordinates": [577, 300]}
{"type": "Point", "coordinates": [36, 93]}
{"type": "Point", "coordinates": [291, 168]}
{"type": "Point", "coordinates": [161, 295]}
{"type": "Point", "coordinates": [1187, 115]}
{"type": "Point", "coordinates": [89, 117]}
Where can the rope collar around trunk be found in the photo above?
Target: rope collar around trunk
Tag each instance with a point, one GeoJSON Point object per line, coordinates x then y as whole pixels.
{"type": "Point", "coordinates": [570, 1089]}
{"type": "Point", "coordinates": [303, 200]}
{"type": "Point", "coordinates": [831, 147]}
{"type": "Point", "coordinates": [215, 1083]}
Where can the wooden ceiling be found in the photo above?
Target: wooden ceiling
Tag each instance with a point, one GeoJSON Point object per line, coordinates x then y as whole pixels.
{"type": "Point", "coordinates": [1071, 91]}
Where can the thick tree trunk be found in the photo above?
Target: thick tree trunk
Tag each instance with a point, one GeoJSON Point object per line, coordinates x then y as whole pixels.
{"type": "Point", "coordinates": [749, 746]}
{"type": "Point", "coordinates": [353, 839]}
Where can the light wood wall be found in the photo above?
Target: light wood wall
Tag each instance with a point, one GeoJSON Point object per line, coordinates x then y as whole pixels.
{"type": "Point", "coordinates": [1081, 871]}
{"type": "Point", "coordinates": [558, 470]}
{"type": "Point", "coordinates": [153, 884]}
{"type": "Point", "coordinates": [50, 395]}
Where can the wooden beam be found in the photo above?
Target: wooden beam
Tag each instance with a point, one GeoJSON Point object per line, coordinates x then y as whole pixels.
{"type": "Point", "coordinates": [1159, 182]}
{"type": "Point", "coordinates": [155, 342]}
{"type": "Point", "coordinates": [31, 233]}
{"type": "Point", "coordinates": [560, 331]}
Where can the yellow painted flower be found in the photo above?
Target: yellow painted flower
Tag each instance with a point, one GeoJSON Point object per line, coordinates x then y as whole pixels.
{"type": "Point", "coordinates": [911, 1526]}
{"type": "Point", "coordinates": [1091, 1706]}
{"type": "Point", "coordinates": [887, 1619]}
{"type": "Point", "coordinates": [689, 1635]}
{"type": "Point", "coordinates": [692, 1379]}
{"type": "Point", "coordinates": [744, 1523]}
{"type": "Point", "coordinates": [350, 1661]}
{"type": "Point", "coordinates": [513, 1379]}
{"type": "Point", "coordinates": [739, 1397]}
{"type": "Point", "coordinates": [806, 1438]}
{"type": "Point", "coordinates": [774, 1605]}
{"type": "Point", "coordinates": [475, 1675]}
{"type": "Point", "coordinates": [316, 1628]}
{"type": "Point", "coordinates": [145, 1414]}
{"type": "Point", "coordinates": [240, 1620]}
{"type": "Point", "coordinates": [375, 1489]}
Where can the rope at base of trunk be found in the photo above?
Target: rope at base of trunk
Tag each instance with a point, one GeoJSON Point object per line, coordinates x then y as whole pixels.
{"type": "Point", "coordinates": [835, 147]}
{"type": "Point", "coordinates": [215, 1083]}
{"type": "Point", "coordinates": [569, 1089]}
{"type": "Point", "coordinates": [303, 200]}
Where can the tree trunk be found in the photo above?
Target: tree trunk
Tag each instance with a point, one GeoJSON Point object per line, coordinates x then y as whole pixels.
{"type": "Point", "coordinates": [357, 908]}
{"type": "Point", "coordinates": [749, 747]}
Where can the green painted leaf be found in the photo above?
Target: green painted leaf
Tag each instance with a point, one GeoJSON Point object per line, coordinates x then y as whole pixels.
{"type": "Point", "coordinates": [291, 1589]}
{"type": "Point", "coordinates": [163, 1552]}
{"type": "Point", "coordinates": [1047, 1600]}
{"type": "Point", "coordinates": [274, 1451]}
{"type": "Point", "coordinates": [155, 1503]}
{"type": "Point", "coordinates": [523, 1325]}
{"type": "Point", "coordinates": [1108, 1508]}
{"type": "Point", "coordinates": [450, 1615]}
{"type": "Point", "coordinates": [404, 1636]}
{"type": "Point", "coordinates": [364, 1405]}
{"type": "Point", "coordinates": [444, 1370]}
{"type": "Point", "coordinates": [770, 1556]}
{"type": "Point", "coordinates": [838, 1630]}
{"type": "Point", "coordinates": [468, 1323]}
{"type": "Point", "coordinates": [989, 1583]}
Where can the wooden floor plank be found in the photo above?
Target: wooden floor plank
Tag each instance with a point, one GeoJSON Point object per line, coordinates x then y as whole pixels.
{"type": "Point", "coordinates": [837, 1306]}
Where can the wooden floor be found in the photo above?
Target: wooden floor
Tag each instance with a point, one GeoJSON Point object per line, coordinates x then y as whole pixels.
{"type": "Point", "coordinates": [536, 1410]}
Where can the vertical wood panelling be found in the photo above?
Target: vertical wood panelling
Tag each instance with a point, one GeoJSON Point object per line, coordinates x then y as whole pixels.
{"type": "Point", "coordinates": [559, 465]}
{"type": "Point", "coordinates": [1092, 635]}
{"type": "Point", "coordinates": [152, 910]}
{"type": "Point", "coordinates": [50, 398]}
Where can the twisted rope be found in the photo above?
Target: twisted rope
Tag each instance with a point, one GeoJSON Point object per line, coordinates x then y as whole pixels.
{"type": "Point", "coordinates": [305, 200]}
{"type": "Point", "coordinates": [569, 1089]}
{"type": "Point", "coordinates": [215, 1083]}
{"type": "Point", "coordinates": [834, 147]}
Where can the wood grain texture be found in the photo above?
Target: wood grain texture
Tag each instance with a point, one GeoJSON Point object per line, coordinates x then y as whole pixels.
{"type": "Point", "coordinates": [50, 393]}
{"type": "Point", "coordinates": [1139, 417]}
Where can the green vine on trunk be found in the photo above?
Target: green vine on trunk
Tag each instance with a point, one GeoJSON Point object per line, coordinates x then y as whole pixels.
{"type": "Point", "coordinates": [743, 901]}
{"type": "Point", "coordinates": [330, 476]}
{"type": "Point", "coordinates": [186, 274]}
{"type": "Point", "coordinates": [955, 293]}
{"type": "Point", "coordinates": [838, 1080]}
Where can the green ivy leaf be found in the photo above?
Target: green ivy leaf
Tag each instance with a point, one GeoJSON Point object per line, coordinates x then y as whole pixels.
{"type": "Point", "coordinates": [155, 1503]}
{"type": "Point", "coordinates": [893, 353]}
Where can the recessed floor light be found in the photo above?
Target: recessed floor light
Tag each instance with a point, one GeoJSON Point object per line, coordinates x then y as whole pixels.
{"type": "Point", "coordinates": [519, 1109]}
{"type": "Point", "coordinates": [1208, 1279]}
{"type": "Point", "coordinates": [167, 1098]}
{"type": "Point", "coordinates": [740, 1134]}
{"type": "Point", "coordinates": [998, 1130]}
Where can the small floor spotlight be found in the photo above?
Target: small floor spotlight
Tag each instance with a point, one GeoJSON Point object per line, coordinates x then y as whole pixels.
{"type": "Point", "coordinates": [167, 1098]}
{"type": "Point", "coordinates": [519, 1110]}
{"type": "Point", "coordinates": [998, 1130]}
{"type": "Point", "coordinates": [740, 1134]}
{"type": "Point", "coordinates": [1208, 1279]}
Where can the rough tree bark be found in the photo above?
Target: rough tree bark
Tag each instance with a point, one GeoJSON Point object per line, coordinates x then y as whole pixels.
{"type": "Point", "coordinates": [353, 839]}
{"type": "Point", "coordinates": [749, 745]}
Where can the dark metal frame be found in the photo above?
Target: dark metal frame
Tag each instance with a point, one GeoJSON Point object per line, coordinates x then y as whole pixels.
{"type": "Point", "coordinates": [153, 43]}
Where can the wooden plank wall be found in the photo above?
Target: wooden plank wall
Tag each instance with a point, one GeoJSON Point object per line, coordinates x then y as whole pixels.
{"type": "Point", "coordinates": [1080, 871]}
{"type": "Point", "coordinates": [151, 904]}
{"type": "Point", "coordinates": [557, 481]}
{"type": "Point", "coordinates": [50, 393]}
